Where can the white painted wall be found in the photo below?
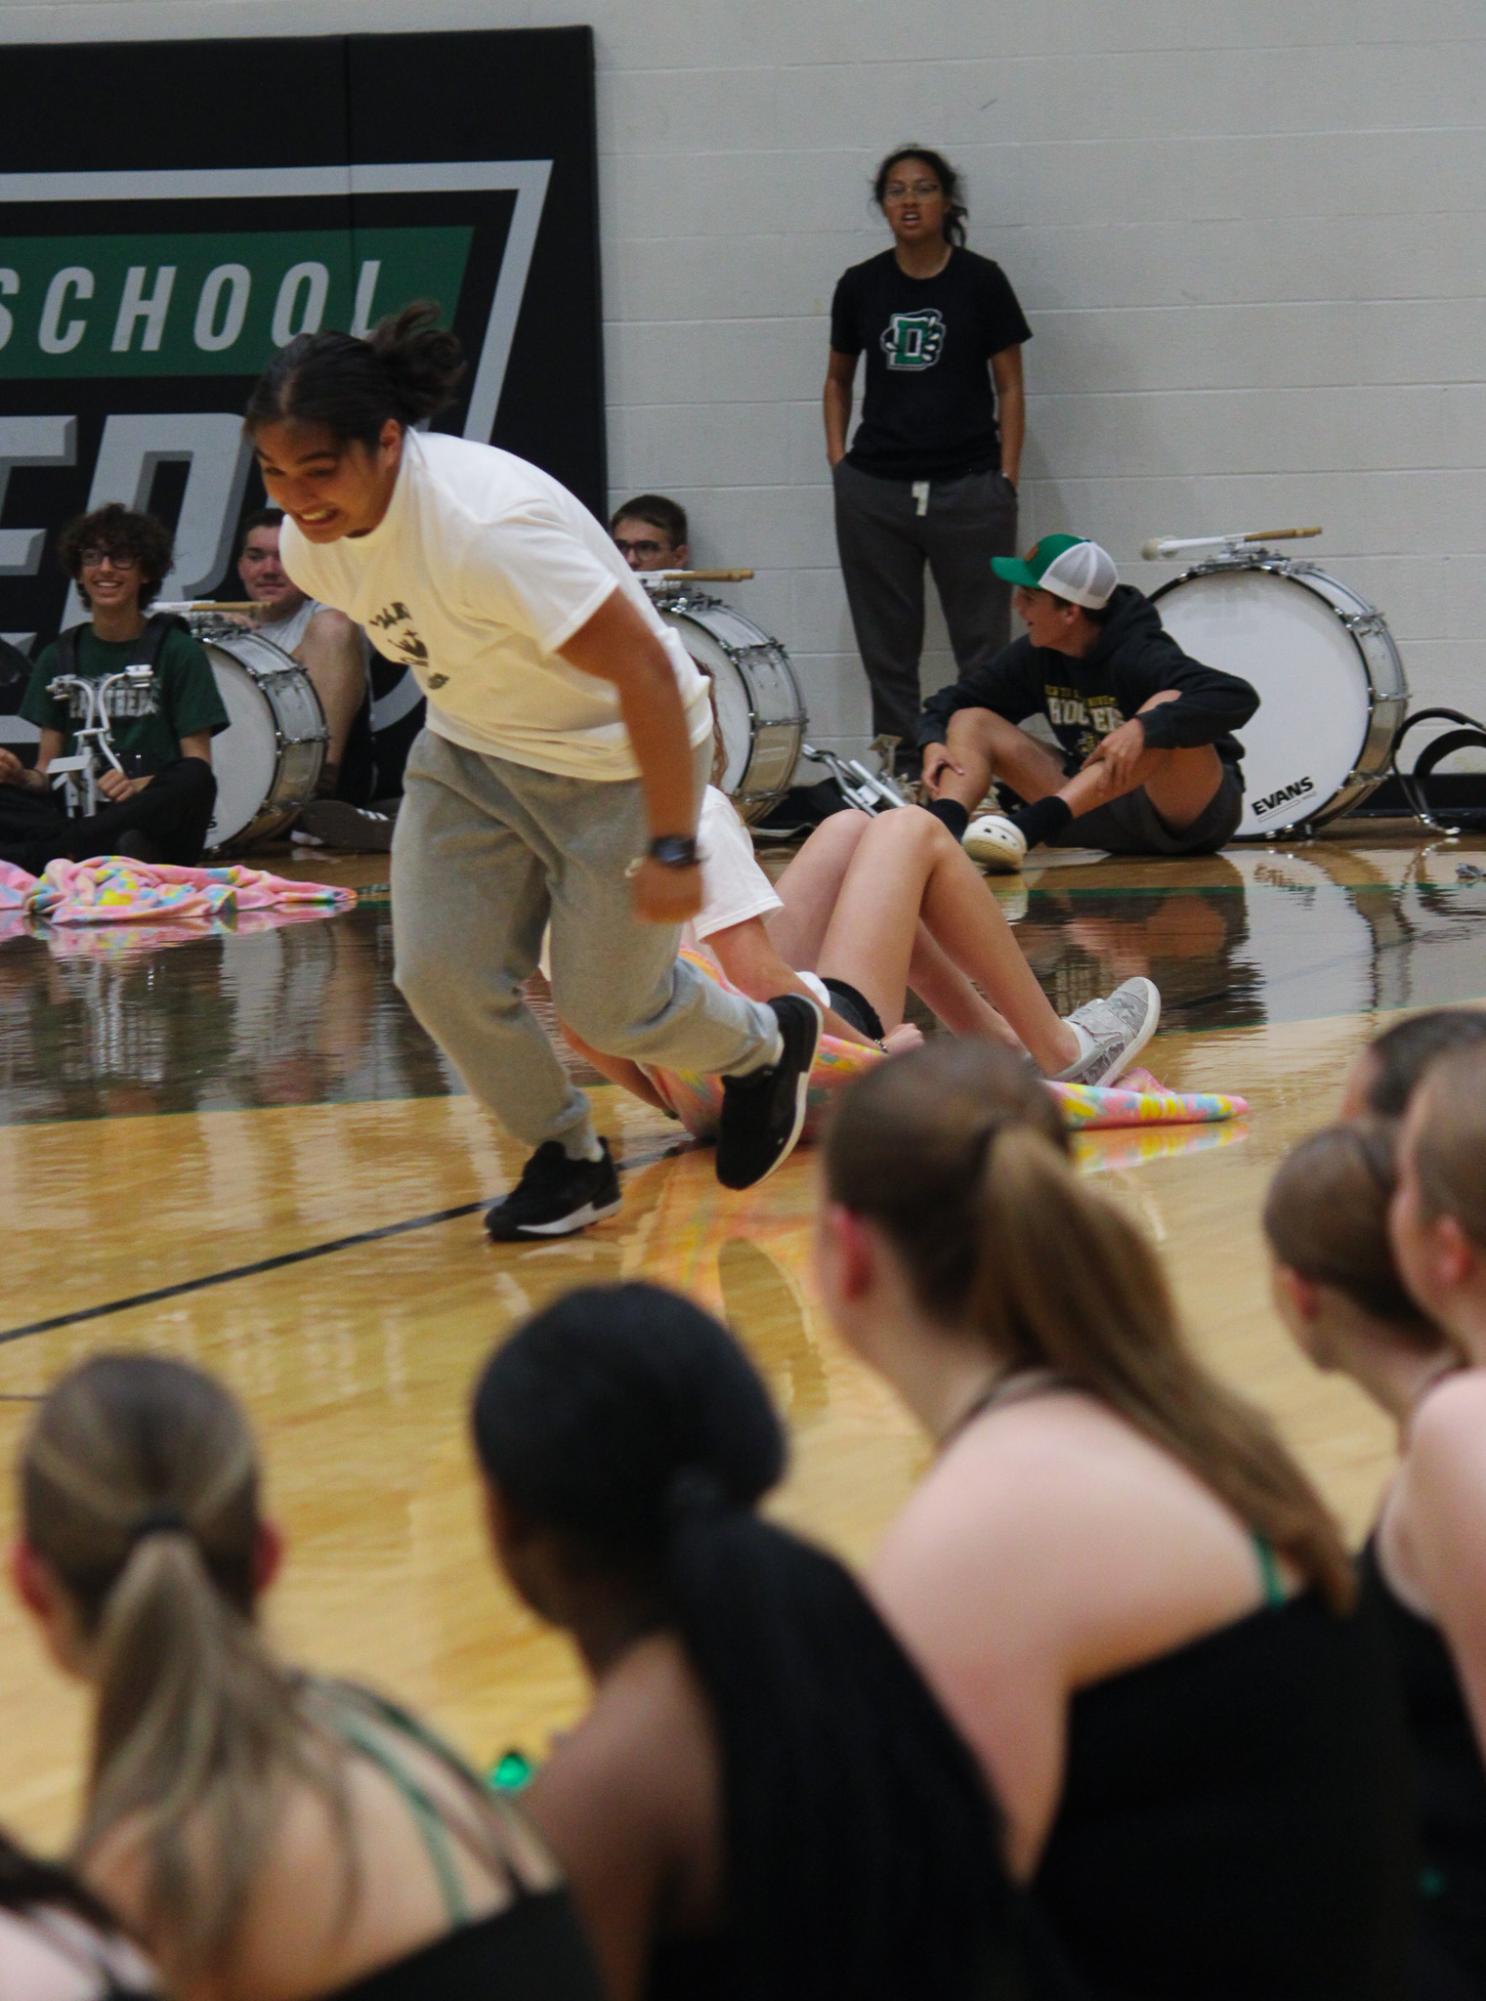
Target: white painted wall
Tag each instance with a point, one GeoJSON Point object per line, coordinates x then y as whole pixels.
{"type": "Point", "coordinates": [1250, 236]}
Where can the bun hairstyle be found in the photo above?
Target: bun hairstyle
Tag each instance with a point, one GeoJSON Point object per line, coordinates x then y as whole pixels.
{"type": "Point", "coordinates": [1326, 1217]}
{"type": "Point", "coordinates": [862, 1859]}
{"type": "Point", "coordinates": [408, 368]}
{"type": "Point", "coordinates": [955, 211]}
{"type": "Point", "coordinates": [950, 1152]}
{"type": "Point", "coordinates": [139, 1489]}
{"type": "Point", "coordinates": [1449, 1138]}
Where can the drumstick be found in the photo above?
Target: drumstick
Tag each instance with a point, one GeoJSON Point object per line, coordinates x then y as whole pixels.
{"type": "Point", "coordinates": [697, 576]}
{"type": "Point", "coordinates": [1170, 545]}
{"type": "Point", "coordinates": [207, 604]}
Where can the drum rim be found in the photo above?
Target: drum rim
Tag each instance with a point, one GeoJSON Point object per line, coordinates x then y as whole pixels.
{"type": "Point", "coordinates": [277, 808]}
{"type": "Point", "coordinates": [751, 802]}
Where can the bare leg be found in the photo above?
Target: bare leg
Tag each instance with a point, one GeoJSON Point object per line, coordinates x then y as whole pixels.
{"type": "Point", "coordinates": [986, 746]}
{"type": "Point", "coordinates": [333, 655]}
{"type": "Point", "coordinates": [908, 865]}
{"type": "Point", "coordinates": [810, 886]}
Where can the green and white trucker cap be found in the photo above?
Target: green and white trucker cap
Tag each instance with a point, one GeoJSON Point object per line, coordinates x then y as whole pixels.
{"type": "Point", "coordinates": [1069, 566]}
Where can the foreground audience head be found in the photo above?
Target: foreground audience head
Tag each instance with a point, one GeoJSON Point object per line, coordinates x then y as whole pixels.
{"type": "Point", "coordinates": [142, 1552]}
{"type": "Point", "coordinates": [1438, 1217]}
{"type": "Point", "coordinates": [627, 1442]}
{"type": "Point", "coordinates": [1335, 1280]}
{"type": "Point", "coordinates": [1384, 1075]}
{"type": "Point", "coordinates": [955, 1222]}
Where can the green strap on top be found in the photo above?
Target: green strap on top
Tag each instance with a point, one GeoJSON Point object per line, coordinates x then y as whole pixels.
{"type": "Point", "coordinates": [1269, 1570]}
{"type": "Point", "coordinates": [425, 1811]}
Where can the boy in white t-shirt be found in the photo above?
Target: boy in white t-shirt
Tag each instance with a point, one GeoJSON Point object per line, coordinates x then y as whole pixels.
{"type": "Point", "coordinates": [559, 775]}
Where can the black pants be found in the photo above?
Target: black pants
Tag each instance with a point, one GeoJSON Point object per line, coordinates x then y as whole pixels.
{"type": "Point", "coordinates": [173, 812]}
{"type": "Point", "coordinates": [885, 541]}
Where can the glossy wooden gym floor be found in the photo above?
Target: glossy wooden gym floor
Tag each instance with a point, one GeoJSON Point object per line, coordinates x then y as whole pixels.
{"type": "Point", "coordinates": [241, 1150]}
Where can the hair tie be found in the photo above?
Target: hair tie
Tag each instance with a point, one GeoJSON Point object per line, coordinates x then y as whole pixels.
{"type": "Point", "coordinates": [164, 1520]}
{"type": "Point", "coordinates": [694, 1491]}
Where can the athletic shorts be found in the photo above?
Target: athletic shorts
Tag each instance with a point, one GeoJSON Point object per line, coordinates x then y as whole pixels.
{"type": "Point", "coordinates": [1132, 826]}
{"type": "Point", "coordinates": [854, 1007]}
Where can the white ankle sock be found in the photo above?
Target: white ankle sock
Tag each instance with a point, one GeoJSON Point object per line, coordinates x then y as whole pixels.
{"type": "Point", "coordinates": [593, 1151]}
{"type": "Point", "coordinates": [1085, 1045]}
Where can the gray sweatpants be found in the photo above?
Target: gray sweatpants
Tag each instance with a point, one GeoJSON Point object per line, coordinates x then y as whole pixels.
{"type": "Point", "coordinates": [884, 542]}
{"type": "Point", "coordinates": [487, 851]}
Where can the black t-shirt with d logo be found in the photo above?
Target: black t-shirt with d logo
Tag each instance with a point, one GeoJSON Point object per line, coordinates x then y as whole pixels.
{"type": "Point", "coordinates": [930, 409]}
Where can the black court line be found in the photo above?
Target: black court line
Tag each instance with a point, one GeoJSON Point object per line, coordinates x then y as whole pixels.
{"type": "Point", "coordinates": [233, 1272]}
{"type": "Point", "coordinates": [284, 1258]}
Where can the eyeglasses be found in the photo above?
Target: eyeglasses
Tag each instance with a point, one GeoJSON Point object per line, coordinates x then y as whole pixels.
{"type": "Point", "coordinates": [640, 548]}
{"type": "Point", "coordinates": [121, 559]}
{"type": "Point", "coordinates": [920, 190]}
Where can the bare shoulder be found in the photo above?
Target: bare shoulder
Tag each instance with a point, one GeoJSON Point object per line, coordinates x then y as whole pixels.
{"type": "Point", "coordinates": [1451, 1417]}
{"type": "Point", "coordinates": [645, 1746]}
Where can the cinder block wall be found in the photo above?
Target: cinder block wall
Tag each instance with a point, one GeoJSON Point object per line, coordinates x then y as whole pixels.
{"type": "Point", "coordinates": [1250, 239]}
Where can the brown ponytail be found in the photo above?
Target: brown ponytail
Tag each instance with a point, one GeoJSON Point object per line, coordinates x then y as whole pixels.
{"type": "Point", "coordinates": [1326, 1217]}
{"type": "Point", "coordinates": [949, 1152]}
{"type": "Point", "coordinates": [139, 1488]}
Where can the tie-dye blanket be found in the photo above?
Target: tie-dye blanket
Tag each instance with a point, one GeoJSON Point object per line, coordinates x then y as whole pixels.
{"type": "Point", "coordinates": [1137, 1100]}
{"type": "Point", "coordinates": [111, 890]}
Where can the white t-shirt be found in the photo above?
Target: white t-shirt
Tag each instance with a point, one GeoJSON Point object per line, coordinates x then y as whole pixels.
{"type": "Point", "coordinates": [481, 568]}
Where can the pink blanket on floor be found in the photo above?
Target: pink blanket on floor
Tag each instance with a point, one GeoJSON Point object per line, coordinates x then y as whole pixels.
{"type": "Point", "coordinates": [110, 890]}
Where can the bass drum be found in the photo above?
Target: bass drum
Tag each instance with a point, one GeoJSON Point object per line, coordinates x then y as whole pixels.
{"type": "Point", "coordinates": [268, 759]}
{"type": "Point", "coordinates": [755, 695]}
{"type": "Point", "coordinates": [1331, 685]}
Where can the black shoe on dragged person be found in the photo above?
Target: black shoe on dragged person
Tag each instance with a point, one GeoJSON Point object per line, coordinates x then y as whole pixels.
{"type": "Point", "coordinates": [555, 1196]}
{"type": "Point", "coordinates": [136, 846]}
{"type": "Point", "coordinates": [763, 1114]}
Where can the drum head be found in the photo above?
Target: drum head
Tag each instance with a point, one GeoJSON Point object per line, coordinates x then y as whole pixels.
{"type": "Point", "coordinates": [1284, 635]}
{"type": "Point", "coordinates": [271, 707]}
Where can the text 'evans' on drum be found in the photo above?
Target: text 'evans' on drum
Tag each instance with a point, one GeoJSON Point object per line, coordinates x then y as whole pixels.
{"type": "Point", "coordinates": [1331, 685]}
{"type": "Point", "coordinates": [267, 761]}
{"type": "Point", "coordinates": [754, 691]}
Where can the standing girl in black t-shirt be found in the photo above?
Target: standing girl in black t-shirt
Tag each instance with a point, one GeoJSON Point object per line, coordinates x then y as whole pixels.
{"type": "Point", "coordinates": [931, 473]}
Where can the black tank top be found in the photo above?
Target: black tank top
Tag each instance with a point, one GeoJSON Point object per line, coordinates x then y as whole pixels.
{"type": "Point", "coordinates": [534, 1950]}
{"type": "Point", "coordinates": [1451, 1790]}
{"type": "Point", "coordinates": [1235, 1819]}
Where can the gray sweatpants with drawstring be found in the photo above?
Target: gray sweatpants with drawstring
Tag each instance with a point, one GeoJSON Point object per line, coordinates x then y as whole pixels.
{"type": "Point", "coordinates": [486, 852]}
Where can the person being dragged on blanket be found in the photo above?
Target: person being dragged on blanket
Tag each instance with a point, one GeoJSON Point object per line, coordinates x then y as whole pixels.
{"type": "Point", "coordinates": [158, 807]}
{"type": "Point", "coordinates": [870, 909]}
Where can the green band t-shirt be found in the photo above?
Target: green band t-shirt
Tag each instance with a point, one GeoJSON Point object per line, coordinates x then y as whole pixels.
{"type": "Point", "coordinates": [148, 722]}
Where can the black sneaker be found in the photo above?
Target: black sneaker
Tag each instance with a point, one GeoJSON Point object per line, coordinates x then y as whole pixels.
{"type": "Point", "coordinates": [763, 1113]}
{"type": "Point", "coordinates": [555, 1196]}
{"type": "Point", "coordinates": [336, 823]}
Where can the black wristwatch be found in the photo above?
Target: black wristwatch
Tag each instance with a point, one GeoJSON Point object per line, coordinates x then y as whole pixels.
{"type": "Point", "coordinates": [674, 850]}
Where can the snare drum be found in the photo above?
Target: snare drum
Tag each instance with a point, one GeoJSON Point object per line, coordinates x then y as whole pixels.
{"type": "Point", "coordinates": [267, 761]}
{"type": "Point", "coordinates": [754, 691]}
{"type": "Point", "coordinates": [1331, 685]}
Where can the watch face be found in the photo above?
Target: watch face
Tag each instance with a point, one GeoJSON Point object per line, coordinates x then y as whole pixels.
{"type": "Point", "coordinates": [674, 851]}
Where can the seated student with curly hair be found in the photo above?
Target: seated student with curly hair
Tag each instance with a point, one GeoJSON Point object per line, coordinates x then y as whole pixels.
{"type": "Point", "coordinates": [159, 806]}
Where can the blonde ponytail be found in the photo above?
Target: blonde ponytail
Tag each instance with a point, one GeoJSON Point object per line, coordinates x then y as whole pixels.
{"type": "Point", "coordinates": [139, 1490]}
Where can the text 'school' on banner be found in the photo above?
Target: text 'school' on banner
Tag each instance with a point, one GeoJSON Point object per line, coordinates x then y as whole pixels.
{"type": "Point", "coordinates": [172, 212]}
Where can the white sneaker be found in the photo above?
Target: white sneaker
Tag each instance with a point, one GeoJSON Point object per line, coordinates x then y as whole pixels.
{"type": "Point", "coordinates": [995, 843]}
{"type": "Point", "coordinates": [1119, 1029]}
